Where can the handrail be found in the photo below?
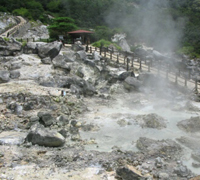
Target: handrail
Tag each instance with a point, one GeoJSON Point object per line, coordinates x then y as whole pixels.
{"type": "Point", "coordinates": [130, 62]}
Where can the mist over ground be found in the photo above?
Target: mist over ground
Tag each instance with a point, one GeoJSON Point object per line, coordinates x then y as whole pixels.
{"type": "Point", "coordinates": [150, 22]}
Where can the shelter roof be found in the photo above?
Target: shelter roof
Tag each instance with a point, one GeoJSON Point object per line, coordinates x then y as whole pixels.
{"type": "Point", "coordinates": [80, 32]}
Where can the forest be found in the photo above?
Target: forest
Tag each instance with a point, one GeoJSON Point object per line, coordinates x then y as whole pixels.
{"type": "Point", "coordinates": [166, 25]}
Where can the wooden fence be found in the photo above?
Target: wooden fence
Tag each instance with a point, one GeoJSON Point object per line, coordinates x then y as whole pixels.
{"type": "Point", "coordinates": [161, 68]}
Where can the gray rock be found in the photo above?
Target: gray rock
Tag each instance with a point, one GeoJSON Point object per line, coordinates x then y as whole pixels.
{"type": "Point", "coordinates": [9, 48]}
{"type": "Point", "coordinates": [60, 62]}
{"type": "Point", "coordinates": [44, 137]}
{"type": "Point", "coordinates": [182, 171]}
{"type": "Point", "coordinates": [15, 107]}
{"type": "Point", "coordinates": [77, 47]}
{"type": "Point", "coordinates": [81, 55]}
{"type": "Point", "coordinates": [196, 155]}
{"type": "Point", "coordinates": [153, 147]}
{"type": "Point", "coordinates": [163, 176]}
{"type": "Point", "coordinates": [151, 121]}
{"type": "Point", "coordinates": [46, 60]}
{"type": "Point", "coordinates": [4, 76]}
{"type": "Point", "coordinates": [49, 49]}
{"type": "Point", "coordinates": [191, 125]}
{"type": "Point", "coordinates": [96, 56]}
{"type": "Point", "coordinates": [63, 120]}
{"type": "Point", "coordinates": [14, 74]}
{"type": "Point", "coordinates": [127, 174]}
{"type": "Point", "coordinates": [46, 118]}
{"type": "Point", "coordinates": [122, 76]}
{"type": "Point", "coordinates": [30, 48]}
{"type": "Point", "coordinates": [131, 83]}
{"type": "Point", "coordinates": [190, 142]}
{"type": "Point", "coordinates": [12, 138]}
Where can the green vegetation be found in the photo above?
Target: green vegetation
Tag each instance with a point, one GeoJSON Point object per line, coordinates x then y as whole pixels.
{"type": "Point", "coordinates": [60, 26]}
{"type": "Point", "coordinates": [161, 24]}
{"type": "Point", "coordinates": [104, 43]}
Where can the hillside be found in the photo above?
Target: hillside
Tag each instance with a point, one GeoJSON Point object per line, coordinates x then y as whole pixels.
{"type": "Point", "coordinates": [170, 25]}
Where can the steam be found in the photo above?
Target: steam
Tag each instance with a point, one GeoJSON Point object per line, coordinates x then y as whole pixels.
{"type": "Point", "coordinates": [149, 22]}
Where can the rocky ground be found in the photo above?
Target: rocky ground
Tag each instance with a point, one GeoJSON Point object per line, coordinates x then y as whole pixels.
{"type": "Point", "coordinates": [67, 114]}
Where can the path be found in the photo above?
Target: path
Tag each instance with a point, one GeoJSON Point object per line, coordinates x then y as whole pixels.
{"type": "Point", "coordinates": [15, 28]}
{"type": "Point", "coordinates": [140, 65]}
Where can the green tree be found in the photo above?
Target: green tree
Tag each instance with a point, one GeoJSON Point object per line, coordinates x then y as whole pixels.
{"type": "Point", "coordinates": [61, 26]}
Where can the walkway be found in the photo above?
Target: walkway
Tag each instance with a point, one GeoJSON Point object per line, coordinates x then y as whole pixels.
{"type": "Point", "coordinates": [15, 28]}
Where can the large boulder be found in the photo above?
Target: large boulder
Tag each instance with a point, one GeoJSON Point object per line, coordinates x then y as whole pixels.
{"type": "Point", "coordinates": [127, 174]}
{"type": "Point", "coordinates": [12, 138]}
{"type": "Point", "coordinates": [131, 83]}
{"type": "Point", "coordinates": [153, 147]}
{"type": "Point", "coordinates": [30, 48]}
{"type": "Point", "coordinates": [81, 55]}
{"type": "Point", "coordinates": [43, 137]}
{"type": "Point", "coordinates": [60, 61]}
{"type": "Point", "coordinates": [9, 48]}
{"type": "Point", "coordinates": [49, 49]}
{"type": "Point", "coordinates": [191, 125]}
{"type": "Point", "coordinates": [4, 76]}
{"type": "Point", "coordinates": [151, 121]}
{"type": "Point", "coordinates": [46, 118]}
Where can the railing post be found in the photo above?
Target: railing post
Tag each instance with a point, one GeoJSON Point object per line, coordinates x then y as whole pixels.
{"type": "Point", "coordinates": [196, 86]}
{"type": "Point", "coordinates": [185, 82]}
{"type": "Point", "coordinates": [167, 71]}
{"type": "Point", "coordinates": [189, 74]}
{"type": "Point", "coordinates": [104, 52]}
{"type": "Point", "coordinates": [140, 64]}
{"type": "Point", "coordinates": [100, 50]}
{"type": "Point", "coordinates": [90, 49]}
{"type": "Point", "coordinates": [176, 79]}
{"type": "Point", "coordinates": [118, 58]}
{"type": "Point", "coordinates": [127, 61]}
{"type": "Point", "coordinates": [132, 62]}
{"type": "Point", "coordinates": [149, 67]}
{"type": "Point", "coordinates": [111, 55]}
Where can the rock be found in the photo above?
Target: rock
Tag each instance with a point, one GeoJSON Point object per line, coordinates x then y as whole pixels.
{"type": "Point", "coordinates": [127, 174]}
{"type": "Point", "coordinates": [81, 55]}
{"type": "Point", "coordinates": [30, 48]}
{"type": "Point", "coordinates": [9, 48]}
{"type": "Point", "coordinates": [77, 47]}
{"type": "Point", "coordinates": [166, 147]}
{"type": "Point", "coordinates": [122, 76]}
{"type": "Point", "coordinates": [131, 83]}
{"type": "Point", "coordinates": [163, 176]}
{"type": "Point", "coordinates": [60, 62]}
{"type": "Point", "coordinates": [90, 127]}
{"type": "Point", "coordinates": [46, 60]}
{"type": "Point", "coordinates": [14, 74]}
{"type": "Point", "coordinates": [123, 122]}
{"type": "Point", "coordinates": [32, 121]}
{"type": "Point", "coordinates": [191, 125]}
{"type": "Point", "coordinates": [15, 107]}
{"type": "Point", "coordinates": [196, 155]}
{"type": "Point", "coordinates": [46, 118]}
{"type": "Point", "coordinates": [96, 56]}
{"type": "Point", "coordinates": [151, 121]}
{"type": "Point", "coordinates": [63, 120]}
{"type": "Point", "coordinates": [44, 137]}
{"type": "Point", "coordinates": [4, 76]}
{"type": "Point", "coordinates": [190, 142]}
{"type": "Point", "coordinates": [49, 49]}
{"type": "Point", "coordinates": [12, 138]}
{"type": "Point", "coordinates": [182, 171]}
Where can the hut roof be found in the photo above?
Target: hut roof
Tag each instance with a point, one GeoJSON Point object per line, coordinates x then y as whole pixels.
{"type": "Point", "coordinates": [80, 32]}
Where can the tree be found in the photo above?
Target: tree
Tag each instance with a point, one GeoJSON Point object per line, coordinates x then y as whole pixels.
{"type": "Point", "coordinates": [61, 26]}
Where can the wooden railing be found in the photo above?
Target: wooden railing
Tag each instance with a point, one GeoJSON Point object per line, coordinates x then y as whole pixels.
{"type": "Point", "coordinates": [160, 68]}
